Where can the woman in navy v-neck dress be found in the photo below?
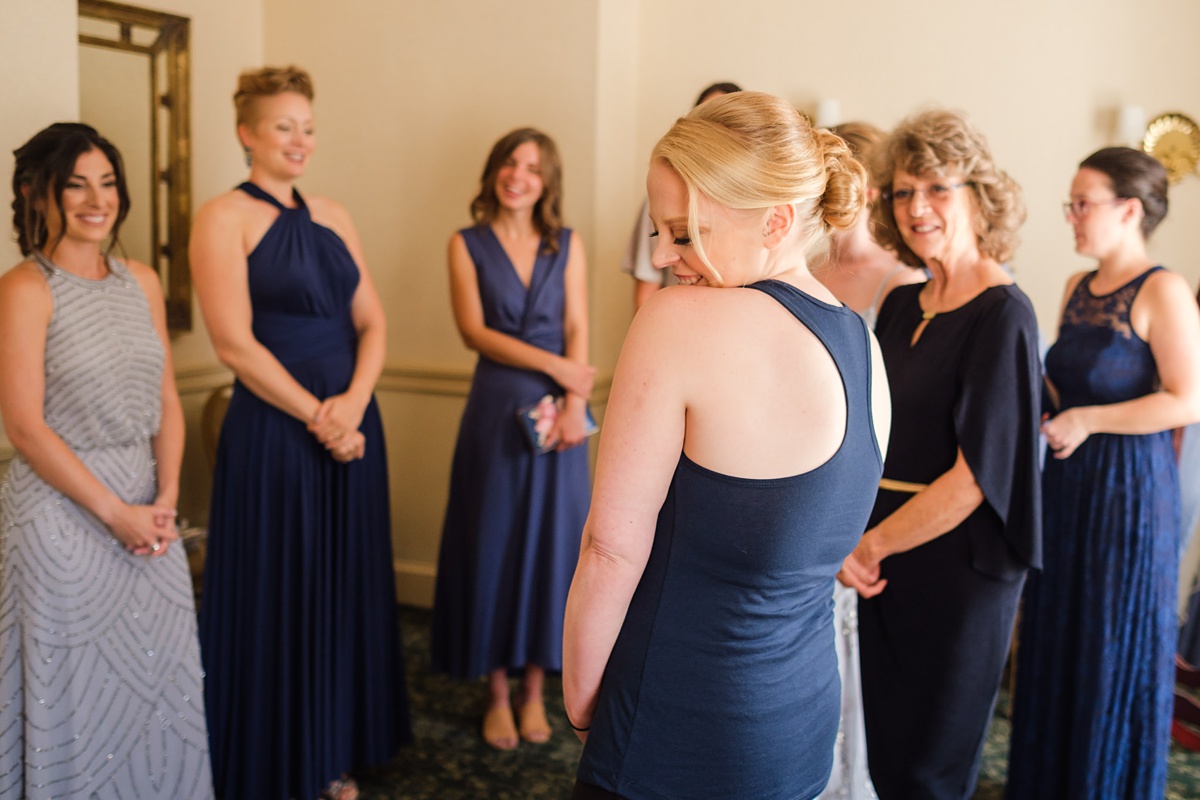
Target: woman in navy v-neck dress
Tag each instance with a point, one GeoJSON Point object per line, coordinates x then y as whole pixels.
{"type": "Point", "coordinates": [304, 679]}
{"type": "Point", "coordinates": [514, 518]}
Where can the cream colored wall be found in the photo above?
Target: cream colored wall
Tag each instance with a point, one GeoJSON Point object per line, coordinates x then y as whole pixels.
{"type": "Point", "coordinates": [1042, 80]}
{"type": "Point", "coordinates": [41, 85]}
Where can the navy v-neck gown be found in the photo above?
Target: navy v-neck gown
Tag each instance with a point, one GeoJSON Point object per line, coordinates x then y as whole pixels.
{"type": "Point", "coordinates": [514, 519]}
{"type": "Point", "coordinates": [298, 624]}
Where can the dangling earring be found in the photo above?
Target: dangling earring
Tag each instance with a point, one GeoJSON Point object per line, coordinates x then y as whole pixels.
{"type": "Point", "coordinates": [248, 159]}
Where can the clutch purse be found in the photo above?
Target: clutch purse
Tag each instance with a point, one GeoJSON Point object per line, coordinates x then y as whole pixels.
{"type": "Point", "coordinates": [537, 420]}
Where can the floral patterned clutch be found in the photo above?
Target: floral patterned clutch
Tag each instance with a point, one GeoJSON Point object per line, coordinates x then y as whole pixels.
{"type": "Point", "coordinates": [538, 420]}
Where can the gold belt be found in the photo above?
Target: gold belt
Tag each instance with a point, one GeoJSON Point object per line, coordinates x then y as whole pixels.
{"type": "Point", "coordinates": [901, 486]}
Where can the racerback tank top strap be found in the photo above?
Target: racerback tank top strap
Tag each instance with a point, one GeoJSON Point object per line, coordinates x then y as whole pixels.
{"type": "Point", "coordinates": [845, 336]}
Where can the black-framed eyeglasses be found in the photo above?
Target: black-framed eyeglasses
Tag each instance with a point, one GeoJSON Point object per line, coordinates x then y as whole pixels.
{"type": "Point", "coordinates": [1080, 208]}
{"type": "Point", "coordinates": [936, 193]}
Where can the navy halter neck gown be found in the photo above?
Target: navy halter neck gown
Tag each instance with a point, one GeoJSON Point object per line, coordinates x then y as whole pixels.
{"type": "Point", "coordinates": [298, 625]}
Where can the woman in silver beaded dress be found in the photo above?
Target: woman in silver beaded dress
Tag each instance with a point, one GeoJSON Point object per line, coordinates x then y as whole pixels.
{"type": "Point", "coordinates": [100, 681]}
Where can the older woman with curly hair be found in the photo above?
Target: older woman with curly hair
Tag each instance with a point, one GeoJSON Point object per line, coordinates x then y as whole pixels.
{"type": "Point", "coordinates": [956, 524]}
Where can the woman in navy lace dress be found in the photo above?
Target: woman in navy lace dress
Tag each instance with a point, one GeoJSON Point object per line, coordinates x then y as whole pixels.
{"type": "Point", "coordinates": [1094, 677]}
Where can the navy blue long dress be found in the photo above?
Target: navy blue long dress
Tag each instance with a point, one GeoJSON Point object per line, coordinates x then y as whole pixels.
{"type": "Point", "coordinates": [934, 642]}
{"type": "Point", "coordinates": [301, 649]}
{"type": "Point", "coordinates": [514, 519]}
{"type": "Point", "coordinates": [1092, 712]}
{"type": "Point", "coordinates": [723, 682]}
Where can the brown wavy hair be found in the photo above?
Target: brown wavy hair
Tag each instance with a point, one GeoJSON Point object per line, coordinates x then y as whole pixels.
{"type": "Point", "coordinates": [547, 212]}
{"type": "Point", "coordinates": [43, 166]}
{"type": "Point", "coordinates": [942, 143]}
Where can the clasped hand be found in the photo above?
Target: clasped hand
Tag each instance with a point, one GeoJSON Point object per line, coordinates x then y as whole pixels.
{"type": "Point", "coordinates": [145, 530]}
{"type": "Point", "coordinates": [336, 423]}
{"type": "Point", "coordinates": [861, 569]}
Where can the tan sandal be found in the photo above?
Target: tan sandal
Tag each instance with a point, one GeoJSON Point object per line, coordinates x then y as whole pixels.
{"type": "Point", "coordinates": [535, 727]}
{"type": "Point", "coordinates": [499, 728]}
{"type": "Point", "coordinates": [343, 788]}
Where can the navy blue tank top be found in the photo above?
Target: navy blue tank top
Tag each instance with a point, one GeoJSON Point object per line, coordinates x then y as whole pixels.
{"type": "Point", "coordinates": [723, 681]}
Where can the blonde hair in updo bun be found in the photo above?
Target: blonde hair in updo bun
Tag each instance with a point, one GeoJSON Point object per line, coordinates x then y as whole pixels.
{"type": "Point", "coordinates": [751, 151]}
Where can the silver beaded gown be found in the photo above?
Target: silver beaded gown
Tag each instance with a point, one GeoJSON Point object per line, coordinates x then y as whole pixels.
{"type": "Point", "coordinates": [100, 679]}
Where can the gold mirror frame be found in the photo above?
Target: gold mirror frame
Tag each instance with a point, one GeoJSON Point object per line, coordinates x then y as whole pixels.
{"type": "Point", "coordinates": [170, 137]}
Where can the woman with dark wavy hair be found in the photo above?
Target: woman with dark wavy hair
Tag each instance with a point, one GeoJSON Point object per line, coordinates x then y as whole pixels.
{"type": "Point", "coordinates": [99, 661]}
{"type": "Point", "coordinates": [957, 520]}
{"type": "Point", "coordinates": [514, 518]}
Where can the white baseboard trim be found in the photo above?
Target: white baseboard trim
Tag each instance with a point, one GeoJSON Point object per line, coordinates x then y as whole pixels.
{"type": "Point", "coordinates": [414, 582]}
{"type": "Point", "coordinates": [202, 379]}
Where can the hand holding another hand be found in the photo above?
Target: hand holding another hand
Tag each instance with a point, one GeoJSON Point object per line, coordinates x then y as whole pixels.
{"type": "Point", "coordinates": [144, 530]}
{"type": "Point", "coordinates": [336, 417]}
{"type": "Point", "coordinates": [861, 570]}
{"type": "Point", "coordinates": [350, 447]}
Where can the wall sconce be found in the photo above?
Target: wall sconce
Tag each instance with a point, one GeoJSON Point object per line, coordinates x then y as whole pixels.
{"type": "Point", "coordinates": [829, 113]}
{"type": "Point", "coordinates": [1131, 126]}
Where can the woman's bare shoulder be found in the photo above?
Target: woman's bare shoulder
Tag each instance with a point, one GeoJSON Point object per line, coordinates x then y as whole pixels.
{"type": "Point", "coordinates": [229, 206]}
{"type": "Point", "coordinates": [22, 277]}
{"type": "Point", "coordinates": [24, 287]}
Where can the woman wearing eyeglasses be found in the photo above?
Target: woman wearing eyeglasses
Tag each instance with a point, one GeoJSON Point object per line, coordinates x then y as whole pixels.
{"type": "Point", "coordinates": [1092, 711]}
{"type": "Point", "coordinates": [956, 523]}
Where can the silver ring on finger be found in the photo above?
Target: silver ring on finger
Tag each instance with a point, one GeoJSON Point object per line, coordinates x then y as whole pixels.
{"type": "Point", "coordinates": [156, 547]}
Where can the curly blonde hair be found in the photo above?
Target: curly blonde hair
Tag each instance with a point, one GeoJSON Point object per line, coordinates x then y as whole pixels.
{"type": "Point", "coordinates": [751, 150]}
{"type": "Point", "coordinates": [942, 143]}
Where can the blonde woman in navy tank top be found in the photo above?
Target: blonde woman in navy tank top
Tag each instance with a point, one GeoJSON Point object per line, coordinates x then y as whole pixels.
{"type": "Point", "coordinates": [740, 456]}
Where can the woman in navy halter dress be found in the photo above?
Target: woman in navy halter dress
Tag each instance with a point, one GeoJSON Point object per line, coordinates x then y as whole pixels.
{"type": "Point", "coordinates": [739, 460]}
{"type": "Point", "coordinates": [1092, 711]}
{"type": "Point", "coordinates": [301, 649]}
{"type": "Point", "coordinates": [513, 520]}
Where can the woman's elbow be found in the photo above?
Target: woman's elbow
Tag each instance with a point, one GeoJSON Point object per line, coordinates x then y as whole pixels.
{"type": "Point", "coordinates": [1191, 409]}
{"type": "Point", "coordinates": [233, 354]}
{"type": "Point", "coordinates": [23, 434]}
{"type": "Point", "coordinates": [470, 338]}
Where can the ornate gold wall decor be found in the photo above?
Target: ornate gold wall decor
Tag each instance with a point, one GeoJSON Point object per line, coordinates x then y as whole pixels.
{"type": "Point", "coordinates": [162, 39]}
{"type": "Point", "coordinates": [1174, 139]}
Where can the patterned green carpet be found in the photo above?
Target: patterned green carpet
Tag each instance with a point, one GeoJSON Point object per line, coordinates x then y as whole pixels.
{"type": "Point", "coordinates": [449, 760]}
